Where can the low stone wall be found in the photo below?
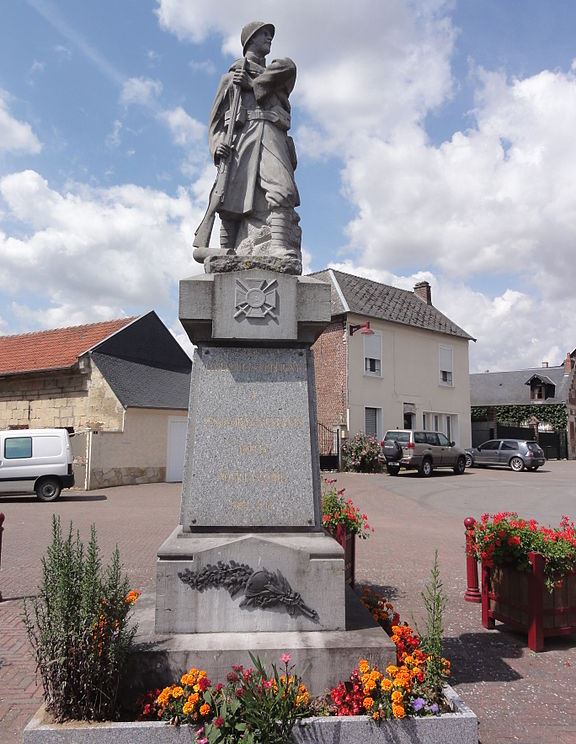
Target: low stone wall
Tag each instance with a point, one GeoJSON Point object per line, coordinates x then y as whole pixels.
{"type": "Point", "coordinates": [459, 727]}
{"type": "Point", "coordinates": [104, 478]}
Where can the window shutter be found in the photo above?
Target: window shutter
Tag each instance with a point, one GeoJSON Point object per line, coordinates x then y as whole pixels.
{"type": "Point", "coordinates": [372, 346]}
{"type": "Point", "coordinates": [371, 421]}
{"type": "Point", "coordinates": [446, 358]}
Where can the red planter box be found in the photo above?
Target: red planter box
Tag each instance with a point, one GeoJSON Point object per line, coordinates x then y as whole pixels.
{"type": "Point", "coordinates": [348, 541]}
{"type": "Point", "coordinates": [520, 599]}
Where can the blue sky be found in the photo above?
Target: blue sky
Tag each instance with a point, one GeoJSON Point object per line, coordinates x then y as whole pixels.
{"type": "Point", "coordinates": [435, 142]}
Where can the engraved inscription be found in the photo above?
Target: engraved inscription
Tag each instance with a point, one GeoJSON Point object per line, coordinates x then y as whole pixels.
{"type": "Point", "coordinates": [271, 368]}
{"type": "Point", "coordinates": [256, 298]}
{"type": "Point", "coordinates": [237, 476]}
{"type": "Point", "coordinates": [252, 422]}
{"type": "Point", "coordinates": [253, 449]}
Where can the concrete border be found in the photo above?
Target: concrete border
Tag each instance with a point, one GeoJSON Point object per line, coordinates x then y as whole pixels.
{"type": "Point", "coordinates": [458, 727]}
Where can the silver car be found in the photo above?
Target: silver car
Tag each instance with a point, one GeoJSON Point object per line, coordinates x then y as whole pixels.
{"type": "Point", "coordinates": [518, 454]}
{"type": "Point", "coordinates": [422, 451]}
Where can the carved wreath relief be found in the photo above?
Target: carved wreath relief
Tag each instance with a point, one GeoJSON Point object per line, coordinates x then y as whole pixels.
{"type": "Point", "coordinates": [261, 588]}
{"type": "Point", "coordinates": [256, 298]}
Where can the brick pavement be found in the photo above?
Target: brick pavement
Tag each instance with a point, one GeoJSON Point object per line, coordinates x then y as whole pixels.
{"type": "Point", "coordinates": [518, 695]}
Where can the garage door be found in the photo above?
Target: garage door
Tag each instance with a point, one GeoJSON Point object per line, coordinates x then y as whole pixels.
{"type": "Point", "coordinates": [176, 446]}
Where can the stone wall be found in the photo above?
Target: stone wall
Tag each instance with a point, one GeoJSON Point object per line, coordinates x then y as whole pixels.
{"type": "Point", "coordinates": [330, 365]}
{"type": "Point", "coordinates": [59, 399]}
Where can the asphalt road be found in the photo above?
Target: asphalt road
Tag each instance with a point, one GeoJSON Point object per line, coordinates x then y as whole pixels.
{"type": "Point", "coordinates": [546, 494]}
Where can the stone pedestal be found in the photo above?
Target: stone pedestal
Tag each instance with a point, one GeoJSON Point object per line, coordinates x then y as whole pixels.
{"type": "Point", "coordinates": [250, 568]}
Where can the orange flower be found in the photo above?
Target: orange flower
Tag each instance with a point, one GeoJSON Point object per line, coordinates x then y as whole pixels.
{"type": "Point", "coordinates": [368, 703]}
{"type": "Point", "coordinates": [193, 698]}
{"type": "Point", "coordinates": [386, 685]}
{"type": "Point", "coordinates": [398, 711]}
{"type": "Point", "coordinates": [132, 596]}
{"type": "Point", "coordinates": [204, 709]}
{"type": "Point", "coordinates": [177, 692]}
{"type": "Point", "coordinates": [397, 697]}
{"type": "Point", "coordinates": [363, 666]}
{"type": "Point", "coordinates": [187, 708]}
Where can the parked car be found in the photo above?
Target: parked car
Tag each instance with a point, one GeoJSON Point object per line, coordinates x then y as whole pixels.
{"type": "Point", "coordinates": [518, 454]}
{"type": "Point", "coordinates": [37, 460]}
{"type": "Point", "coordinates": [421, 450]}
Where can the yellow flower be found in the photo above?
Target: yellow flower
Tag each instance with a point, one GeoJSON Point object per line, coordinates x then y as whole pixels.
{"type": "Point", "coordinates": [363, 666]}
{"type": "Point", "coordinates": [391, 669]}
{"type": "Point", "coordinates": [177, 692]}
{"type": "Point", "coordinates": [368, 703]}
{"type": "Point", "coordinates": [187, 708]}
{"type": "Point", "coordinates": [398, 711]}
{"type": "Point", "coordinates": [397, 697]}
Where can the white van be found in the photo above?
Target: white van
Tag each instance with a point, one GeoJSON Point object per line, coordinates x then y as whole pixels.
{"type": "Point", "coordinates": [37, 460]}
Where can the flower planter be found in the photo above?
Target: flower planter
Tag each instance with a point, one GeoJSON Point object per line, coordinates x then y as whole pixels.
{"type": "Point", "coordinates": [348, 541]}
{"type": "Point", "coordinates": [457, 727]}
{"type": "Point", "coordinates": [520, 599]}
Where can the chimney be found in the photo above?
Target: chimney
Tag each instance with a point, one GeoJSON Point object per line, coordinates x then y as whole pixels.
{"type": "Point", "coordinates": [423, 291]}
{"type": "Point", "coordinates": [568, 364]}
{"type": "Point", "coordinates": [545, 365]}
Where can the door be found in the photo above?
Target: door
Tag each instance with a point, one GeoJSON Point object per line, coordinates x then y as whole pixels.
{"type": "Point", "coordinates": [446, 451]}
{"type": "Point", "coordinates": [488, 453]}
{"type": "Point", "coordinates": [507, 450]}
{"type": "Point", "coordinates": [177, 427]}
{"type": "Point", "coordinates": [15, 460]}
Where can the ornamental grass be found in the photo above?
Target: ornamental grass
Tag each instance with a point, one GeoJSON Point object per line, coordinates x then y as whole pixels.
{"type": "Point", "coordinates": [505, 539]}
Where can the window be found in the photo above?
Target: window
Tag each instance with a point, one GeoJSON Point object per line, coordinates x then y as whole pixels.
{"type": "Point", "coordinates": [373, 355]}
{"type": "Point", "coordinates": [447, 423]}
{"type": "Point", "coordinates": [16, 448]}
{"type": "Point", "coordinates": [443, 440]}
{"type": "Point", "coordinates": [445, 359]}
{"type": "Point", "coordinates": [372, 421]}
{"type": "Point", "coordinates": [432, 438]}
{"type": "Point", "coordinates": [493, 445]}
{"type": "Point", "coordinates": [509, 445]}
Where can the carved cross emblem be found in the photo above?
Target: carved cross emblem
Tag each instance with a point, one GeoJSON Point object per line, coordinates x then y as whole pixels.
{"type": "Point", "coordinates": [256, 298]}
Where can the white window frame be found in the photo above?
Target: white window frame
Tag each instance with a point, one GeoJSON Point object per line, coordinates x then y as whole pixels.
{"type": "Point", "coordinates": [370, 341]}
{"type": "Point", "coordinates": [378, 410]}
{"type": "Point", "coordinates": [446, 423]}
{"type": "Point", "coordinates": [445, 376]}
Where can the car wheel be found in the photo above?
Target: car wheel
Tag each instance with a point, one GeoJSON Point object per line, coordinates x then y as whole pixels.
{"type": "Point", "coordinates": [393, 468]}
{"type": "Point", "coordinates": [425, 469]}
{"type": "Point", "coordinates": [48, 489]}
{"type": "Point", "coordinates": [469, 461]}
{"type": "Point", "coordinates": [517, 464]}
{"type": "Point", "coordinates": [460, 466]}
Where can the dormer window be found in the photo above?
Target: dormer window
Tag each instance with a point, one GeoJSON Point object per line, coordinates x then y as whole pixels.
{"type": "Point", "coordinates": [541, 387]}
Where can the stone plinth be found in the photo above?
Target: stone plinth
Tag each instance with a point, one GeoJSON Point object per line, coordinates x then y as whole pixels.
{"type": "Point", "coordinates": [240, 583]}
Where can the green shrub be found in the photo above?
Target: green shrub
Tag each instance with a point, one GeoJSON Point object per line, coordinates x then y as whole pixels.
{"type": "Point", "coordinates": [362, 454]}
{"type": "Point", "coordinates": [78, 627]}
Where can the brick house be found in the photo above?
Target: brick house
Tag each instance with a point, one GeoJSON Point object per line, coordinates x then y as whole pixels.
{"type": "Point", "coordinates": [410, 370]}
{"type": "Point", "coordinates": [528, 403]}
{"type": "Point", "coordinates": [120, 386]}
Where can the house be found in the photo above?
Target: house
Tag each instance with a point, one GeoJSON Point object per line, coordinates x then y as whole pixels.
{"type": "Point", "coordinates": [120, 386]}
{"type": "Point", "coordinates": [527, 403]}
{"type": "Point", "coordinates": [389, 359]}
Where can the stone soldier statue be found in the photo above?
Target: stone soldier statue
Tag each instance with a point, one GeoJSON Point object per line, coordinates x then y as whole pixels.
{"type": "Point", "coordinates": [255, 193]}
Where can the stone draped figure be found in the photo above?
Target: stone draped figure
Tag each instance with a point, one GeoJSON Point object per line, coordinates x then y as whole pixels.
{"type": "Point", "coordinates": [257, 202]}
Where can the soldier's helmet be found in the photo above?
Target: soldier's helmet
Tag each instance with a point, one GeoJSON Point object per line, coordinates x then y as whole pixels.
{"type": "Point", "coordinates": [250, 29]}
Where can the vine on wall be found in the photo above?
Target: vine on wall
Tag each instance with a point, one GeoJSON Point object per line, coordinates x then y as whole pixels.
{"type": "Point", "coordinates": [554, 414]}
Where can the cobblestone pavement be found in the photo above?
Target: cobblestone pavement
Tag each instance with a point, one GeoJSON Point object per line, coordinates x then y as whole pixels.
{"type": "Point", "coordinates": [518, 695]}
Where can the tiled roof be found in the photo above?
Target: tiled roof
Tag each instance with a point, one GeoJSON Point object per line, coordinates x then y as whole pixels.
{"type": "Point", "coordinates": [55, 349]}
{"type": "Point", "coordinates": [510, 388]}
{"type": "Point", "coordinates": [141, 385]}
{"type": "Point", "coordinates": [361, 296]}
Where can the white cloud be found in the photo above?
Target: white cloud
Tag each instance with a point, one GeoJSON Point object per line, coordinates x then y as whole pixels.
{"type": "Point", "coordinates": [205, 66]}
{"type": "Point", "coordinates": [113, 139]}
{"type": "Point", "coordinates": [140, 91]}
{"type": "Point", "coordinates": [15, 136]}
{"type": "Point", "coordinates": [90, 252]}
{"type": "Point", "coordinates": [185, 130]}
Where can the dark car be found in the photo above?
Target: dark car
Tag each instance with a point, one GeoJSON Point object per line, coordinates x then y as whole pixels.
{"type": "Point", "coordinates": [518, 454]}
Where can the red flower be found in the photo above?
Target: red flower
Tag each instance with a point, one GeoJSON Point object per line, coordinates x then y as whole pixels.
{"type": "Point", "coordinates": [514, 540]}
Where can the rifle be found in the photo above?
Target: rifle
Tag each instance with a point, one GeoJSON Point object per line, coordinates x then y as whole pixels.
{"type": "Point", "coordinates": [218, 192]}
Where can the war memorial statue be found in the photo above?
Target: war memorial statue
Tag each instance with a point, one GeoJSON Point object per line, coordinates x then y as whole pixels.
{"type": "Point", "coordinates": [255, 193]}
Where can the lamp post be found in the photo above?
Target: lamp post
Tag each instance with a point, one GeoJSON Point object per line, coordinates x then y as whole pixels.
{"type": "Point", "coordinates": [364, 329]}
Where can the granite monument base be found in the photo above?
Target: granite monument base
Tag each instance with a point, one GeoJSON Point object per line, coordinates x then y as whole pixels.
{"type": "Point", "coordinates": [249, 582]}
{"type": "Point", "coordinates": [322, 658]}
